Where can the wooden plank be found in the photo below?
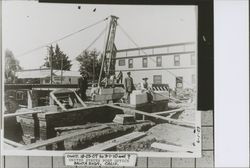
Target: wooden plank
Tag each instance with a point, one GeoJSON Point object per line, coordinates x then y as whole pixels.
{"type": "Point", "coordinates": [56, 100]}
{"type": "Point", "coordinates": [170, 120]}
{"type": "Point", "coordinates": [114, 142]}
{"type": "Point", "coordinates": [80, 100]}
{"type": "Point", "coordinates": [183, 162]}
{"type": "Point", "coordinates": [12, 143]}
{"type": "Point", "coordinates": [58, 162]}
{"type": "Point", "coordinates": [22, 113]}
{"type": "Point", "coordinates": [60, 138]}
{"type": "Point", "coordinates": [77, 127]}
{"type": "Point", "coordinates": [207, 160]}
{"type": "Point", "coordinates": [40, 162]}
{"type": "Point", "coordinates": [171, 147]}
{"type": "Point", "coordinates": [159, 162]}
{"type": "Point", "coordinates": [169, 111]}
{"type": "Point", "coordinates": [16, 162]}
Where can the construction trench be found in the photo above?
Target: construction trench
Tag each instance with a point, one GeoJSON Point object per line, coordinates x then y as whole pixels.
{"type": "Point", "coordinates": [106, 127]}
{"type": "Point", "coordinates": [104, 122]}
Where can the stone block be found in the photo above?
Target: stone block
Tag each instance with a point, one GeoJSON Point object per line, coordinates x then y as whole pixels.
{"type": "Point", "coordinates": [104, 91]}
{"type": "Point", "coordinates": [138, 98]}
{"type": "Point", "coordinates": [160, 95]}
{"type": "Point", "coordinates": [124, 119]}
{"type": "Point", "coordinates": [118, 90]}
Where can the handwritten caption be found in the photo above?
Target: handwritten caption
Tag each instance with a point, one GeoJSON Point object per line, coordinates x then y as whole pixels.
{"type": "Point", "coordinates": [100, 159]}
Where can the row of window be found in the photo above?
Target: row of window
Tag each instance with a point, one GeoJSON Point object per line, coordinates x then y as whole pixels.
{"type": "Point", "coordinates": [158, 62]}
{"type": "Point", "coordinates": [157, 79]}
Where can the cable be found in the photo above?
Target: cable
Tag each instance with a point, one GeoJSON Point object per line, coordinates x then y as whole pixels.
{"type": "Point", "coordinates": [60, 39]}
{"type": "Point", "coordinates": [129, 37]}
{"type": "Point", "coordinates": [92, 43]}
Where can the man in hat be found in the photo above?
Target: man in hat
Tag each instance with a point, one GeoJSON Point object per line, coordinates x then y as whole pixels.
{"type": "Point", "coordinates": [129, 86]}
{"type": "Point", "coordinates": [145, 88]}
{"type": "Point", "coordinates": [83, 85]}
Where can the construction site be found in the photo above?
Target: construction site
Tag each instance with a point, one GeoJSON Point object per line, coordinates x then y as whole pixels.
{"type": "Point", "coordinates": [105, 121]}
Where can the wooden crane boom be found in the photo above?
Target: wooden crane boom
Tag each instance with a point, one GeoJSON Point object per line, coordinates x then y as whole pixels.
{"type": "Point", "coordinates": [108, 57]}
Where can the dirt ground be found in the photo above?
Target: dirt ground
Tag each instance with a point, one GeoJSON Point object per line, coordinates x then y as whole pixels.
{"type": "Point", "coordinates": [167, 133]}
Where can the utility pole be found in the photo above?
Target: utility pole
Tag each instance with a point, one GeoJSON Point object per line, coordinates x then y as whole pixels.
{"type": "Point", "coordinates": [61, 69]}
{"type": "Point", "coordinates": [93, 68]}
{"type": "Point", "coordinates": [51, 53]}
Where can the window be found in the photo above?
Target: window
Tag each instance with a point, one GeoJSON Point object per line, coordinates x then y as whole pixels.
{"type": "Point", "coordinates": [19, 95]}
{"type": "Point", "coordinates": [130, 63]}
{"type": "Point", "coordinates": [192, 56]}
{"type": "Point", "coordinates": [158, 61]}
{"type": "Point", "coordinates": [193, 79]}
{"type": "Point", "coordinates": [176, 60]}
{"type": "Point", "coordinates": [144, 62]}
{"type": "Point", "coordinates": [121, 62]}
{"type": "Point", "coordinates": [157, 79]}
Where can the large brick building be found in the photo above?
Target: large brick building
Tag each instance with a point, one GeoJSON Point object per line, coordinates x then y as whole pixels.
{"type": "Point", "coordinates": [173, 64]}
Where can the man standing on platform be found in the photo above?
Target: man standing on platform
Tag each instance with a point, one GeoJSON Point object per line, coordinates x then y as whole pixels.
{"type": "Point", "coordinates": [83, 86]}
{"type": "Point", "coordinates": [129, 86]}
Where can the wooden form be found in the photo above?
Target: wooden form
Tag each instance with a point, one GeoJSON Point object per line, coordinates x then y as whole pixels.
{"type": "Point", "coordinates": [52, 95]}
{"type": "Point", "coordinates": [60, 138]}
{"type": "Point", "coordinates": [114, 142]}
{"type": "Point", "coordinates": [75, 127]}
{"type": "Point", "coordinates": [170, 120]}
{"type": "Point", "coordinates": [80, 100]}
{"type": "Point", "coordinates": [22, 113]}
{"type": "Point", "coordinates": [11, 143]}
{"type": "Point", "coordinates": [169, 111]}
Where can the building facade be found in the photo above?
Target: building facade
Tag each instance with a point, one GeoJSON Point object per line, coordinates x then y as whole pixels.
{"type": "Point", "coordinates": [172, 64]}
{"type": "Point", "coordinates": [43, 76]}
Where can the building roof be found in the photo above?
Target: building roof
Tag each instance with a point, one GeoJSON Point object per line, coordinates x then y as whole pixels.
{"type": "Point", "coordinates": [155, 46]}
{"type": "Point", "coordinates": [43, 73]}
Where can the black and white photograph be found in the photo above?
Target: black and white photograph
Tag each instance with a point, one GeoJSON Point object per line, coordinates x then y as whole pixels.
{"type": "Point", "coordinates": [100, 78]}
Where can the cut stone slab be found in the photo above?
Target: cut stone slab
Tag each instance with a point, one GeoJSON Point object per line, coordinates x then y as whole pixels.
{"type": "Point", "coordinates": [124, 119]}
{"type": "Point", "coordinates": [136, 98]}
{"type": "Point", "coordinates": [160, 95]}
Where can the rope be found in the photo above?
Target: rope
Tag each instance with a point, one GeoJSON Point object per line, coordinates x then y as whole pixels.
{"type": "Point", "coordinates": [62, 38]}
{"type": "Point", "coordinates": [92, 43]}
{"type": "Point", "coordinates": [130, 38]}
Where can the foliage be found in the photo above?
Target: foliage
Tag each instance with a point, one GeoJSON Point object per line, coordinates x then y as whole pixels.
{"type": "Point", "coordinates": [59, 59]}
{"type": "Point", "coordinates": [90, 63]}
{"type": "Point", "coordinates": [11, 67]}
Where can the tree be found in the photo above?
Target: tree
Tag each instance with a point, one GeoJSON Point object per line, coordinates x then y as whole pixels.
{"type": "Point", "coordinates": [90, 63]}
{"type": "Point", "coordinates": [59, 59]}
{"type": "Point", "coordinates": [11, 66]}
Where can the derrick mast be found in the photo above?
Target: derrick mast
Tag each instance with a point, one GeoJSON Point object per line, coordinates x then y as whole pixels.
{"type": "Point", "coordinates": [108, 57]}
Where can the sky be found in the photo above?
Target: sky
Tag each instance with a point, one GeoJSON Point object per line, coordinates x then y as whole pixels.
{"type": "Point", "coordinates": [29, 24]}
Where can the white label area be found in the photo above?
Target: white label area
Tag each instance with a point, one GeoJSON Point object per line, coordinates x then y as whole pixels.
{"type": "Point", "coordinates": [100, 159]}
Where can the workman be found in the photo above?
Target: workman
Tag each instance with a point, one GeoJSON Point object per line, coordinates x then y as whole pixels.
{"type": "Point", "coordinates": [129, 86]}
{"type": "Point", "coordinates": [83, 86]}
{"type": "Point", "coordinates": [146, 89]}
{"type": "Point", "coordinates": [119, 77]}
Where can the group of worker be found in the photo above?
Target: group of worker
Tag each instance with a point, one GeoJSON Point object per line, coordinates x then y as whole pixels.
{"type": "Point", "coordinates": [128, 86]}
